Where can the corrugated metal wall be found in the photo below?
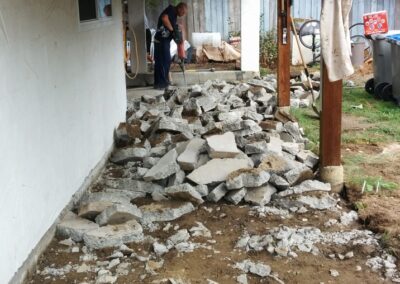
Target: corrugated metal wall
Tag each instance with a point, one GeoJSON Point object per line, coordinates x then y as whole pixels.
{"type": "Point", "coordinates": [224, 15]}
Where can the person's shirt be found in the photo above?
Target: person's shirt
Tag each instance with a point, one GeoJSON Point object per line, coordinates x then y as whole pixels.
{"type": "Point", "coordinates": [162, 32]}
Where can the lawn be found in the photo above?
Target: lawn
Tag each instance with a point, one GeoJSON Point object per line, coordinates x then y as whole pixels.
{"type": "Point", "coordinates": [382, 120]}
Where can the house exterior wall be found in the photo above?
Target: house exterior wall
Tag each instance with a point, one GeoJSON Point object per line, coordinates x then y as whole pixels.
{"type": "Point", "coordinates": [62, 92]}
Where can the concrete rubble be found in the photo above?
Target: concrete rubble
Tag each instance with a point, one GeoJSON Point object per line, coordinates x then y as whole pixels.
{"type": "Point", "coordinates": [216, 142]}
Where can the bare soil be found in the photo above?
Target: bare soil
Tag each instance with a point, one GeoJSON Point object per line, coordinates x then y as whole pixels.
{"type": "Point", "coordinates": [380, 211]}
{"type": "Point", "coordinates": [217, 264]}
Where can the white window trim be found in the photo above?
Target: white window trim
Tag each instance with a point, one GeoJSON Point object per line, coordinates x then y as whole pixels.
{"type": "Point", "coordinates": [95, 23]}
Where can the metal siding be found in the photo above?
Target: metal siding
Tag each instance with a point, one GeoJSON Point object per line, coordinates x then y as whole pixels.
{"type": "Point", "coordinates": [213, 15]}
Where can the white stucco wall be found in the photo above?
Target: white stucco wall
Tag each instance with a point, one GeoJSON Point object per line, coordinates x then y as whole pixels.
{"type": "Point", "coordinates": [62, 92]}
{"type": "Point", "coordinates": [250, 35]}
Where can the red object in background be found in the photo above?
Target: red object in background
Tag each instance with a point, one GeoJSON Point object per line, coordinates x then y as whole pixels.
{"type": "Point", "coordinates": [376, 23]}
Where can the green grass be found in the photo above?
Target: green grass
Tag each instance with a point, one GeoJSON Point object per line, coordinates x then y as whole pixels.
{"type": "Point", "coordinates": [310, 124]}
{"type": "Point", "coordinates": [384, 118]}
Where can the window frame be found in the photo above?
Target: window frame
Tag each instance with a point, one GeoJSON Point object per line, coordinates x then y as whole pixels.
{"type": "Point", "coordinates": [94, 23]}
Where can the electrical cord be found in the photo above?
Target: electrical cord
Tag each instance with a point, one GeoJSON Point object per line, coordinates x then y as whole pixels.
{"type": "Point", "coordinates": [136, 53]}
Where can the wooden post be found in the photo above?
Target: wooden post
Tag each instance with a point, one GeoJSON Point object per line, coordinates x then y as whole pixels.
{"type": "Point", "coordinates": [330, 131]}
{"type": "Point", "coordinates": [284, 56]}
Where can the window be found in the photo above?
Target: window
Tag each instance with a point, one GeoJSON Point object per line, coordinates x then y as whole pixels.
{"type": "Point", "coordinates": [90, 10]}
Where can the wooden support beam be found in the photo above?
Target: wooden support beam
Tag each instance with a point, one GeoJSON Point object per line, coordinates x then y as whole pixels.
{"type": "Point", "coordinates": [331, 121]}
{"type": "Point", "coordinates": [284, 55]}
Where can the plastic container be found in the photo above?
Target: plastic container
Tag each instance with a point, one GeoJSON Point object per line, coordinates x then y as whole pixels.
{"type": "Point", "coordinates": [200, 39]}
{"type": "Point", "coordinates": [380, 85]}
{"type": "Point", "coordinates": [394, 41]}
{"type": "Point", "coordinates": [357, 51]}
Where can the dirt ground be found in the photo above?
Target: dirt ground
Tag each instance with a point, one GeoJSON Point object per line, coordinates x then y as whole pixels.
{"type": "Point", "coordinates": [216, 264]}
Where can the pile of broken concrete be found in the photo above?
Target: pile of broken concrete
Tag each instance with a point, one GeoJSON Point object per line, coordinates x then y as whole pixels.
{"type": "Point", "coordinates": [213, 142]}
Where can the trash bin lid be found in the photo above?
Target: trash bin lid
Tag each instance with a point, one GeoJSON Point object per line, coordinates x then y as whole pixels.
{"type": "Point", "coordinates": [395, 39]}
{"type": "Point", "coordinates": [383, 36]}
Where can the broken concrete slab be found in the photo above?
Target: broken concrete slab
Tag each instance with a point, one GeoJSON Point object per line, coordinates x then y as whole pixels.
{"type": "Point", "coordinates": [72, 226]}
{"type": "Point", "coordinates": [118, 214]}
{"type": "Point", "coordinates": [274, 163]}
{"type": "Point", "coordinates": [298, 174]}
{"type": "Point", "coordinates": [271, 125]}
{"type": "Point", "coordinates": [217, 170]}
{"type": "Point", "coordinates": [184, 192]}
{"type": "Point", "coordinates": [247, 178]}
{"type": "Point", "coordinates": [165, 167]}
{"type": "Point", "coordinates": [189, 158]}
{"type": "Point", "coordinates": [113, 235]}
{"type": "Point", "coordinates": [311, 185]}
{"type": "Point", "coordinates": [128, 154]}
{"type": "Point", "coordinates": [217, 193]}
{"type": "Point", "coordinates": [279, 182]}
{"type": "Point", "coordinates": [261, 83]}
{"type": "Point", "coordinates": [164, 211]}
{"type": "Point", "coordinates": [308, 158]}
{"type": "Point", "coordinates": [235, 196]}
{"type": "Point", "coordinates": [202, 190]}
{"type": "Point", "coordinates": [177, 178]}
{"type": "Point", "coordinates": [133, 185]}
{"type": "Point", "coordinates": [260, 196]}
{"type": "Point", "coordinates": [94, 203]}
{"type": "Point", "coordinates": [258, 268]}
{"type": "Point", "coordinates": [256, 147]}
{"type": "Point", "coordinates": [222, 146]}
{"type": "Point", "coordinates": [292, 148]}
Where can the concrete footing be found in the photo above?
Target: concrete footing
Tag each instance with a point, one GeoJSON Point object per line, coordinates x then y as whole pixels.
{"type": "Point", "coordinates": [333, 175]}
{"type": "Point", "coordinates": [285, 109]}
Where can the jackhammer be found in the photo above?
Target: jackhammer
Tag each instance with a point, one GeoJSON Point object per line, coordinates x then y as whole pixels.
{"type": "Point", "coordinates": [180, 42]}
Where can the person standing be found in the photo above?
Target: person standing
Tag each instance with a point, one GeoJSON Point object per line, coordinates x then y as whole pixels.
{"type": "Point", "coordinates": [165, 33]}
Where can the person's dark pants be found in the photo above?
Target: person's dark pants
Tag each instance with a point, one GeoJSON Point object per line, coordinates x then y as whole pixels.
{"type": "Point", "coordinates": [148, 40]}
{"type": "Point", "coordinates": [162, 58]}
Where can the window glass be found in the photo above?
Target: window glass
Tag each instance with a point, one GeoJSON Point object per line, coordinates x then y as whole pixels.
{"type": "Point", "coordinates": [105, 8]}
{"type": "Point", "coordinates": [87, 10]}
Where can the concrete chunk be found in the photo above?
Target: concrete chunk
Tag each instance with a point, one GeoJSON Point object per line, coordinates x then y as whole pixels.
{"type": "Point", "coordinates": [260, 196]}
{"type": "Point", "coordinates": [128, 154]}
{"type": "Point", "coordinates": [113, 235]}
{"type": "Point", "coordinates": [247, 178]}
{"type": "Point", "coordinates": [165, 167]}
{"type": "Point", "coordinates": [118, 214]}
{"type": "Point", "coordinates": [308, 158]}
{"type": "Point", "coordinates": [299, 174]}
{"type": "Point", "coordinates": [235, 196]}
{"type": "Point", "coordinates": [74, 227]}
{"type": "Point", "coordinates": [311, 185]}
{"type": "Point", "coordinates": [133, 185]}
{"type": "Point", "coordinates": [217, 170]}
{"type": "Point", "coordinates": [256, 147]}
{"type": "Point", "coordinates": [222, 146]}
{"type": "Point", "coordinates": [97, 202]}
{"type": "Point", "coordinates": [217, 193]}
{"type": "Point", "coordinates": [164, 211]}
{"type": "Point", "coordinates": [279, 182]}
{"type": "Point", "coordinates": [275, 163]}
{"type": "Point", "coordinates": [185, 192]}
{"type": "Point", "coordinates": [190, 157]}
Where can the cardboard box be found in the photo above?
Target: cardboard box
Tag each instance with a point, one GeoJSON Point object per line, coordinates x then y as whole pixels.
{"type": "Point", "coordinates": [376, 23]}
